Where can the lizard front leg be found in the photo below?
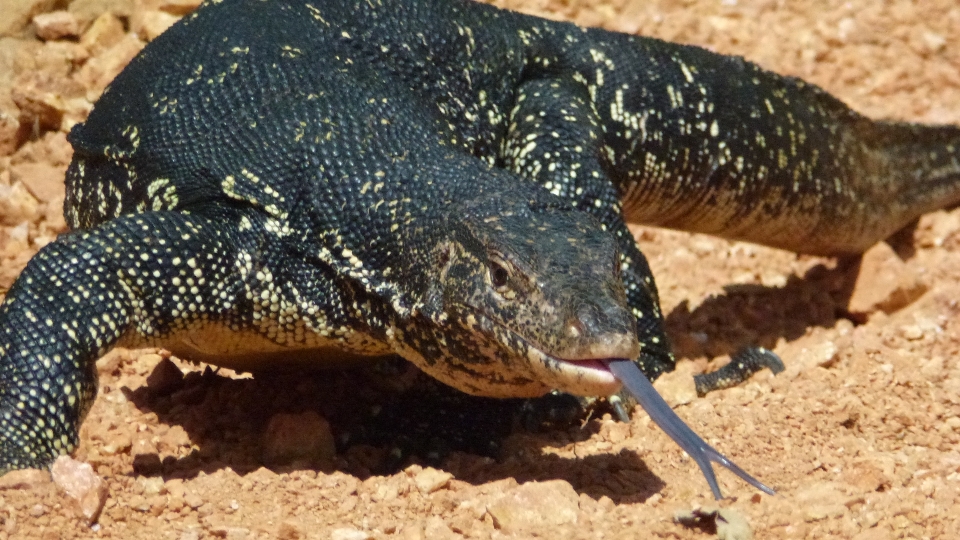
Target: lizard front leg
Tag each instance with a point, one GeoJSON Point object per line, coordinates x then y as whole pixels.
{"type": "Point", "coordinates": [555, 139]}
{"type": "Point", "coordinates": [132, 281]}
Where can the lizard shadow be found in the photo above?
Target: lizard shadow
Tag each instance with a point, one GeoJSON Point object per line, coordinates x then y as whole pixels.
{"type": "Point", "coordinates": [761, 315]}
{"type": "Point", "coordinates": [225, 418]}
{"type": "Point", "coordinates": [226, 421]}
{"type": "Point", "coordinates": [623, 477]}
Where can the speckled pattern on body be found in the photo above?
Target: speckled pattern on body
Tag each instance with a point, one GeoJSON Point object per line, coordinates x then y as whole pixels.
{"type": "Point", "coordinates": [285, 181]}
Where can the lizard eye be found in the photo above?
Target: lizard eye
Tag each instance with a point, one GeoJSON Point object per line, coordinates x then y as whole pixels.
{"type": "Point", "coordinates": [499, 275]}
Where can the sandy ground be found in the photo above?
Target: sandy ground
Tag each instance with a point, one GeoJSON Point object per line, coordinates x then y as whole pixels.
{"type": "Point", "coordinates": [859, 435]}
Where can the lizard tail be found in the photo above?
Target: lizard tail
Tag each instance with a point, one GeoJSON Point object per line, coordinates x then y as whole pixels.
{"type": "Point", "coordinates": [707, 143]}
{"type": "Point", "coordinates": [781, 162]}
{"type": "Point", "coordinates": [886, 175]}
{"type": "Point", "coordinates": [921, 161]}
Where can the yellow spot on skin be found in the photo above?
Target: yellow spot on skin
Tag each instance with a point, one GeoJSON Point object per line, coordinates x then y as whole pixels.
{"type": "Point", "coordinates": [676, 98]}
{"type": "Point", "coordinates": [315, 13]}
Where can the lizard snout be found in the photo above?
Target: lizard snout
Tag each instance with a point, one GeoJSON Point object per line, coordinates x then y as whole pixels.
{"type": "Point", "coordinates": [595, 331]}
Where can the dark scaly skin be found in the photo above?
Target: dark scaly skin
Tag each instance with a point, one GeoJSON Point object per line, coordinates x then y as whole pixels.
{"type": "Point", "coordinates": [285, 181]}
{"type": "Point", "coordinates": [709, 143]}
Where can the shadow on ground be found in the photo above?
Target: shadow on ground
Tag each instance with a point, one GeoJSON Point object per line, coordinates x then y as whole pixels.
{"type": "Point", "coordinates": [384, 418]}
{"type": "Point", "coordinates": [758, 315]}
{"type": "Point", "coordinates": [477, 439]}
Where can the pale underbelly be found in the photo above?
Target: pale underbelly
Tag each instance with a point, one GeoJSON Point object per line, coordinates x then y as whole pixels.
{"type": "Point", "coordinates": [250, 350]}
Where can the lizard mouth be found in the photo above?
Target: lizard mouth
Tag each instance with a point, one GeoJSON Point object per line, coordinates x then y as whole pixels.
{"type": "Point", "coordinates": [584, 376]}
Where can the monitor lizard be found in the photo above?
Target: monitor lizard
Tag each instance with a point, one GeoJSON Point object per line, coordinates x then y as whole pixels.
{"type": "Point", "coordinates": [313, 182]}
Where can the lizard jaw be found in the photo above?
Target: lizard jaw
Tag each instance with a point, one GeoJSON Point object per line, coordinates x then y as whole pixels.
{"type": "Point", "coordinates": [582, 371]}
{"type": "Point", "coordinates": [583, 374]}
{"type": "Point", "coordinates": [582, 377]}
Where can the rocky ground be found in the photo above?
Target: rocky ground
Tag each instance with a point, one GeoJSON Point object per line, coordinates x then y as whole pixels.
{"type": "Point", "coordinates": [859, 435]}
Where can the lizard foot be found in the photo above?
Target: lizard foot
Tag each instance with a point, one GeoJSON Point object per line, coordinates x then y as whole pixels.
{"type": "Point", "coordinates": [743, 364]}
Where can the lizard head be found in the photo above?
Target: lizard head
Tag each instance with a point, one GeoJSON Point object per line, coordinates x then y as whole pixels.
{"type": "Point", "coordinates": [522, 301]}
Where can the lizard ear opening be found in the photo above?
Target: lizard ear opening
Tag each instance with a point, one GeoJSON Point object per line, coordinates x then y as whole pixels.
{"type": "Point", "coordinates": [443, 258]}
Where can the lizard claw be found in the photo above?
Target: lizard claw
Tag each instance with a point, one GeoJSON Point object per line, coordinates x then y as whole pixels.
{"type": "Point", "coordinates": [660, 412]}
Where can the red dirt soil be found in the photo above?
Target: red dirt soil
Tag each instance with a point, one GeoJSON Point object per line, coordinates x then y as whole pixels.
{"type": "Point", "coordinates": [859, 435]}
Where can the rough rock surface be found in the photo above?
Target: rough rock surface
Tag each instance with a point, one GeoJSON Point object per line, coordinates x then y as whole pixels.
{"type": "Point", "coordinates": [81, 484]}
{"type": "Point", "coordinates": [860, 435]}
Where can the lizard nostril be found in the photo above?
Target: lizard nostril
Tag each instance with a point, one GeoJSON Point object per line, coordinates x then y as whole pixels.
{"type": "Point", "coordinates": [587, 318]}
{"type": "Point", "coordinates": [574, 327]}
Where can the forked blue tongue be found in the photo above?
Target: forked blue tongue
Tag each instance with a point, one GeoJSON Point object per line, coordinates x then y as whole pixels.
{"type": "Point", "coordinates": [640, 388]}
